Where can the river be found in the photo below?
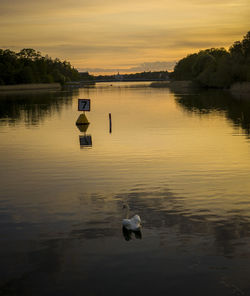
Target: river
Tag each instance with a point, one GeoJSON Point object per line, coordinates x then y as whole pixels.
{"type": "Point", "coordinates": [180, 160]}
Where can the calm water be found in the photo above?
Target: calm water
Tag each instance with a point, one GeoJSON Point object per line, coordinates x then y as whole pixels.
{"type": "Point", "coordinates": [179, 160]}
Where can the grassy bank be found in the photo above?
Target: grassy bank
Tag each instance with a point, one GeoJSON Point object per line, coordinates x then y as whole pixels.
{"type": "Point", "coordinates": [159, 84]}
{"type": "Point", "coordinates": [32, 86]}
{"type": "Point", "coordinates": [174, 85]}
{"type": "Point", "coordinates": [241, 87]}
{"type": "Point", "coordinates": [181, 85]}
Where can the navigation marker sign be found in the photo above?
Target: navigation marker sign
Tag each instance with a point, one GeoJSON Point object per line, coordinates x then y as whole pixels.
{"type": "Point", "coordinates": [83, 104]}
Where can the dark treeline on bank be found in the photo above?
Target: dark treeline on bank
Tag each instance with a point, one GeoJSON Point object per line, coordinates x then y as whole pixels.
{"type": "Point", "coordinates": [142, 76]}
{"type": "Point", "coordinates": [29, 66]}
{"type": "Point", "coordinates": [209, 68]}
{"type": "Point", "coordinates": [216, 67]}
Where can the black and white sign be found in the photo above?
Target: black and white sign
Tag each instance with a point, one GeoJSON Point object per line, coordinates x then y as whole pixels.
{"type": "Point", "coordinates": [83, 104]}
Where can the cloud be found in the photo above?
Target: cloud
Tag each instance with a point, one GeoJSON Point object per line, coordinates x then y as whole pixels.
{"type": "Point", "coordinates": [154, 66]}
{"type": "Point", "coordinates": [147, 66]}
{"type": "Point", "coordinates": [106, 34]}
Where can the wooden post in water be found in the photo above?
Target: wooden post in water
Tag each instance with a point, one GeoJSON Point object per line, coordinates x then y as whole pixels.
{"type": "Point", "coordinates": [110, 124]}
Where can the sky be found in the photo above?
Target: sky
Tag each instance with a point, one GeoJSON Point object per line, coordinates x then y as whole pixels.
{"type": "Point", "coordinates": [107, 36]}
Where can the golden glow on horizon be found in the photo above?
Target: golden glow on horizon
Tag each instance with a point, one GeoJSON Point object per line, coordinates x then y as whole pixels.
{"type": "Point", "coordinates": [115, 34]}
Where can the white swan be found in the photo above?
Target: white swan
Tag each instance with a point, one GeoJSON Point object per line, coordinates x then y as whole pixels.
{"type": "Point", "coordinates": [134, 223]}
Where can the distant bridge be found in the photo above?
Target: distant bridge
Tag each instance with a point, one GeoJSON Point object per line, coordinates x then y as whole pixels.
{"type": "Point", "coordinates": [129, 80]}
{"type": "Point", "coordinates": [91, 82]}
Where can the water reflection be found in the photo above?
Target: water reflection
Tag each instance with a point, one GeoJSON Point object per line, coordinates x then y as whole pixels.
{"type": "Point", "coordinates": [65, 211]}
{"type": "Point", "coordinates": [82, 127]}
{"type": "Point", "coordinates": [166, 212]}
{"type": "Point", "coordinates": [235, 109]}
{"type": "Point", "coordinates": [128, 234]}
{"type": "Point", "coordinates": [85, 141]}
{"type": "Point", "coordinates": [32, 108]}
{"type": "Point", "coordinates": [178, 245]}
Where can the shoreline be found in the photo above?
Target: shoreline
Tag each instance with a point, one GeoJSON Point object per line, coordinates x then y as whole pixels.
{"type": "Point", "coordinates": [242, 88]}
{"type": "Point", "coordinates": [31, 86]}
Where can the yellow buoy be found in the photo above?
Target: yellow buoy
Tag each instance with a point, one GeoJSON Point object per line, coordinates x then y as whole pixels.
{"type": "Point", "coordinates": [82, 127]}
{"type": "Point", "coordinates": [82, 120]}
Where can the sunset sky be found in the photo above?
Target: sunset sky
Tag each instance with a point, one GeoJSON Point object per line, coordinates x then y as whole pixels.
{"type": "Point", "coordinates": [116, 35]}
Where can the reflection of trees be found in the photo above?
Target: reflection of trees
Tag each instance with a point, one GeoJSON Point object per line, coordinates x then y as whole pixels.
{"type": "Point", "coordinates": [32, 108]}
{"type": "Point", "coordinates": [236, 110]}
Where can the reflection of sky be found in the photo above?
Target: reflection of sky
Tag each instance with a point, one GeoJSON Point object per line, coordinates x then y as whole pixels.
{"type": "Point", "coordinates": [88, 253]}
{"type": "Point", "coordinates": [152, 142]}
{"type": "Point", "coordinates": [121, 34]}
{"type": "Point", "coordinates": [186, 174]}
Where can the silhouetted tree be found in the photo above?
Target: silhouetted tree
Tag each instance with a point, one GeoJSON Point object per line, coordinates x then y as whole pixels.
{"type": "Point", "coordinates": [29, 66]}
{"type": "Point", "coordinates": [216, 67]}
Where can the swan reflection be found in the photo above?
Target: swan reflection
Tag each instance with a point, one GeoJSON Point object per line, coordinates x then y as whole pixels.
{"type": "Point", "coordinates": [128, 233]}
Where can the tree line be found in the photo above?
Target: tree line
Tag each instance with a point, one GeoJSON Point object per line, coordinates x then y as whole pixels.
{"type": "Point", "coordinates": [29, 66]}
{"type": "Point", "coordinates": [216, 67]}
{"type": "Point", "coordinates": [154, 75]}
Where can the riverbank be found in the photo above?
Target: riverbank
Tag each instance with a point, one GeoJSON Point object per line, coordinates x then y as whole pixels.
{"type": "Point", "coordinates": [242, 88]}
{"type": "Point", "coordinates": [159, 84]}
{"type": "Point", "coordinates": [31, 86]}
{"type": "Point", "coordinates": [175, 85]}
